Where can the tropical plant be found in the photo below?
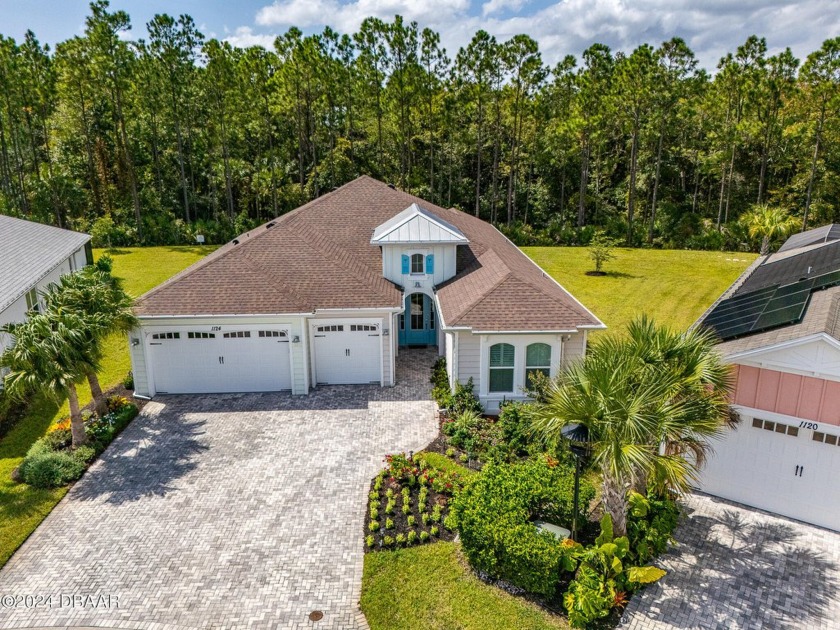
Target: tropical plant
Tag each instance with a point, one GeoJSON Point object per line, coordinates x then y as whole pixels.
{"type": "Point", "coordinates": [651, 400]}
{"type": "Point", "coordinates": [101, 304]}
{"type": "Point", "coordinates": [769, 223]}
{"type": "Point", "coordinates": [51, 352]}
{"type": "Point", "coordinates": [603, 578]}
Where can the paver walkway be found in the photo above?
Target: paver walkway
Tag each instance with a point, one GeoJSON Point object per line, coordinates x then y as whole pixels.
{"type": "Point", "coordinates": [226, 511]}
{"type": "Point", "coordinates": [736, 568]}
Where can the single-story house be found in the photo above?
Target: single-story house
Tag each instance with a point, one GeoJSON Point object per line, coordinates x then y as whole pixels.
{"type": "Point", "coordinates": [779, 326]}
{"type": "Point", "coordinates": [32, 256]}
{"type": "Point", "coordinates": [330, 293]}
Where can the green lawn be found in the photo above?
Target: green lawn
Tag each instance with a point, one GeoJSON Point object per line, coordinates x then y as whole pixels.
{"type": "Point", "coordinates": [22, 508]}
{"type": "Point", "coordinates": [429, 587]}
{"type": "Point", "coordinates": [673, 286]}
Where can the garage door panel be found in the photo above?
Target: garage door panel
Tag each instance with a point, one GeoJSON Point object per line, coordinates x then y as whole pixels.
{"type": "Point", "coordinates": [779, 467]}
{"type": "Point", "coordinates": [347, 353]}
{"type": "Point", "coordinates": [234, 361]}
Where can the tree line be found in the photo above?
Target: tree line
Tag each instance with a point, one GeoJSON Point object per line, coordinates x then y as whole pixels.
{"type": "Point", "coordinates": [157, 139]}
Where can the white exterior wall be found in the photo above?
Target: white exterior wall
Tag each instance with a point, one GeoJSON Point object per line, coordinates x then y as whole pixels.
{"type": "Point", "coordinates": [445, 257]}
{"type": "Point", "coordinates": [574, 347]}
{"type": "Point", "coordinates": [16, 311]}
{"type": "Point", "coordinates": [468, 358]}
{"type": "Point", "coordinates": [449, 352]}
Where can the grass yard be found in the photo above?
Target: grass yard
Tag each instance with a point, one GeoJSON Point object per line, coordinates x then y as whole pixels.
{"type": "Point", "coordinates": [22, 507]}
{"type": "Point", "coordinates": [430, 587]}
{"type": "Point", "coordinates": [675, 287]}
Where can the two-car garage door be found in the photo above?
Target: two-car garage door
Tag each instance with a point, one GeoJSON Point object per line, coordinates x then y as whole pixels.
{"type": "Point", "coordinates": [779, 464]}
{"type": "Point", "coordinates": [198, 362]}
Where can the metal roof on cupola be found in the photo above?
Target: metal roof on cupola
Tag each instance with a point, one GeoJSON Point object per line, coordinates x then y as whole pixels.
{"type": "Point", "coordinates": [417, 225]}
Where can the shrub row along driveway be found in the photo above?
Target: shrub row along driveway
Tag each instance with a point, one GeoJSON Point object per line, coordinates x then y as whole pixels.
{"type": "Point", "coordinates": [224, 511]}
{"type": "Point", "coordinates": [736, 568]}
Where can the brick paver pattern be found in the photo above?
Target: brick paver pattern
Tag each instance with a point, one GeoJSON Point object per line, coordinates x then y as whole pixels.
{"type": "Point", "coordinates": [736, 568]}
{"type": "Point", "coordinates": [225, 511]}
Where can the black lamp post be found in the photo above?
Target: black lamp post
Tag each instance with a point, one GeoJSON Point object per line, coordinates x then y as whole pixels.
{"type": "Point", "coordinates": [578, 437]}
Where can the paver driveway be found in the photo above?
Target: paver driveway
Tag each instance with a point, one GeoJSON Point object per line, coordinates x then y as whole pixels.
{"type": "Point", "coordinates": [737, 568]}
{"type": "Point", "coordinates": [224, 511]}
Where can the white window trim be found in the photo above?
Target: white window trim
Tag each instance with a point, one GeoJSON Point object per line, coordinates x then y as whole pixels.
{"type": "Point", "coordinates": [520, 342]}
{"type": "Point", "coordinates": [512, 368]}
{"type": "Point", "coordinates": [411, 271]}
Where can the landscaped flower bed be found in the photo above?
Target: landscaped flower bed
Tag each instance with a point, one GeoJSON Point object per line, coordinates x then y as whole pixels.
{"type": "Point", "coordinates": [408, 504]}
{"type": "Point", "coordinates": [52, 462]}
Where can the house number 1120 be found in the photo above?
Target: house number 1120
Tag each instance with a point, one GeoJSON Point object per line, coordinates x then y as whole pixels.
{"type": "Point", "coordinates": [809, 425]}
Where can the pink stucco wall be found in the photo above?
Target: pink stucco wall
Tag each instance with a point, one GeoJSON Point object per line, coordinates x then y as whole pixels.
{"type": "Point", "coordinates": [791, 394]}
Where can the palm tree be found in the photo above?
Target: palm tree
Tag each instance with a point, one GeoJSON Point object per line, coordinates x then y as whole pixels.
{"type": "Point", "coordinates": [50, 353]}
{"type": "Point", "coordinates": [770, 223]}
{"type": "Point", "coordinates": [650, 401]}
{"type": "Point", "coordinates": [105, 308]}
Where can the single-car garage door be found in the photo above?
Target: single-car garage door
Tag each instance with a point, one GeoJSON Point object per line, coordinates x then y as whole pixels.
{"type": "Point", "coordinates": [198, 362]}
{"type": "Point", "coordinates": [348, 353]}
{"type": "Point", "coordinates": [786, 466]}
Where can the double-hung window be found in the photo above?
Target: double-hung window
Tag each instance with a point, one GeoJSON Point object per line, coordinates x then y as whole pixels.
{"type": "Point", "coordinates": [32, 304]}
{"type": "Point", "coordinates": [537, 360]}
{"type": "Point", "coordinates": [501, 368]}
{"type": "Point", "coordinates": [417, 263]}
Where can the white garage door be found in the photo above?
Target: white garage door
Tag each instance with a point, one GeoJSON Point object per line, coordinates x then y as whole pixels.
{"type": "Point", "coordinates": [790, 468]}
{"type": "Point", "coordinates": [198, 362]}
{"type": "Point", "coordinates": [348, 353]}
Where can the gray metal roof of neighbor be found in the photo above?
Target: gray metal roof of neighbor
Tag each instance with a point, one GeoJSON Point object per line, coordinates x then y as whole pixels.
{"type": "Point", "coordinates": [320, 257]}
{"type": "Point", "coordinates": [28, 252]}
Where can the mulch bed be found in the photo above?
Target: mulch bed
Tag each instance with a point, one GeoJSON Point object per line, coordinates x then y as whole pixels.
{"type": "Point", "coordinates": [400, 518]}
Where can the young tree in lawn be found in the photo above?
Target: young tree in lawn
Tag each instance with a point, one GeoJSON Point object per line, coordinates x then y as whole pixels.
{"type": "Point", "coordinates": [769, 223]}
{"type": "Point", "coordinates": [50, 352]}
{"type": "Point", "coordinates": [601, 250]}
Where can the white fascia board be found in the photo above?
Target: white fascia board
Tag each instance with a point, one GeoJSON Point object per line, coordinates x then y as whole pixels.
{"type": "Point", "coordinates": [383, 309]}
{"type": "Point", "coordinates": [525, 332]}
{"type": "Point", "coordinates": [143, 318]}
{"type": "Point", "coordinates": [791, 343]}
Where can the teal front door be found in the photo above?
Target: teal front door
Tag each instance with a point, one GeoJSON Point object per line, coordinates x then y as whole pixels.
{"type": "Point", "coordinates": [417, 324]}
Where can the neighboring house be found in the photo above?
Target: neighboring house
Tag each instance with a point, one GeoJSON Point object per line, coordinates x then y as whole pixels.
{"type": "Point", "coordinates": [331, 292]}
{"type": "Point", "coordinates": [779, 326]}
{"type": "Point", "coordinates": [33, 255]}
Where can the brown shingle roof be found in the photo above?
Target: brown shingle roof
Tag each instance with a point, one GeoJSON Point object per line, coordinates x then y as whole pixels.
{"type": "Point", "coordinates": [320, 257]}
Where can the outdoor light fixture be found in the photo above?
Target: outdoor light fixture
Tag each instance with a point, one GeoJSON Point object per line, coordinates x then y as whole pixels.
{"type": "Point", "coordinates": [416, 285]}
{"type": "Point", "coordinates": [578, 437]}
{"type": "Point", "coordinates": [385, 332]}
{"type": "Point", "coordinates": [296, 339]}
{"type": "Point", "coordinates": [135, 342]}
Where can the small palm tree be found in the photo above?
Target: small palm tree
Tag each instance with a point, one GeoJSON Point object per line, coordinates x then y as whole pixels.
{"type": "Point", "coordinates": [104, 307]}
{"type": "Point", "coordinates": [650, 400]}
{"type": "Point", "coordinates": [770, 223]}
{"type": "Point", "coordinates": [50, 353]}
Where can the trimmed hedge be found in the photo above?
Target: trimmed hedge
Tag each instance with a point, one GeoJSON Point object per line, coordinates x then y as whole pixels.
{"type": "Point", "coordinates": [495, 515]}
{"type": "Point", "coordinates": [51, 469]}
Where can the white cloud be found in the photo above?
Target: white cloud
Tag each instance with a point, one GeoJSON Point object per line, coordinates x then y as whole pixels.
{"type": "Point", "coordinates": [711, 27]}
{"type": "Point", "coordinates": [244, 37]}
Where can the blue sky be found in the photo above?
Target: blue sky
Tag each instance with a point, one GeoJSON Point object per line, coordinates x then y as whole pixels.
{"type": "Point", "coordinates": [711, 27]}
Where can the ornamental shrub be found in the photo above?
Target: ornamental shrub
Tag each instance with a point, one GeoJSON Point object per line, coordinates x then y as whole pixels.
{"type": "Point", "coordinates": [51, 469]}
{"type": "Point", "coordinates": [441, 392]}
{"type": "Point", "coordinates": [494, 517]}
{"type": "Point", "coordinates": [464, 399]}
